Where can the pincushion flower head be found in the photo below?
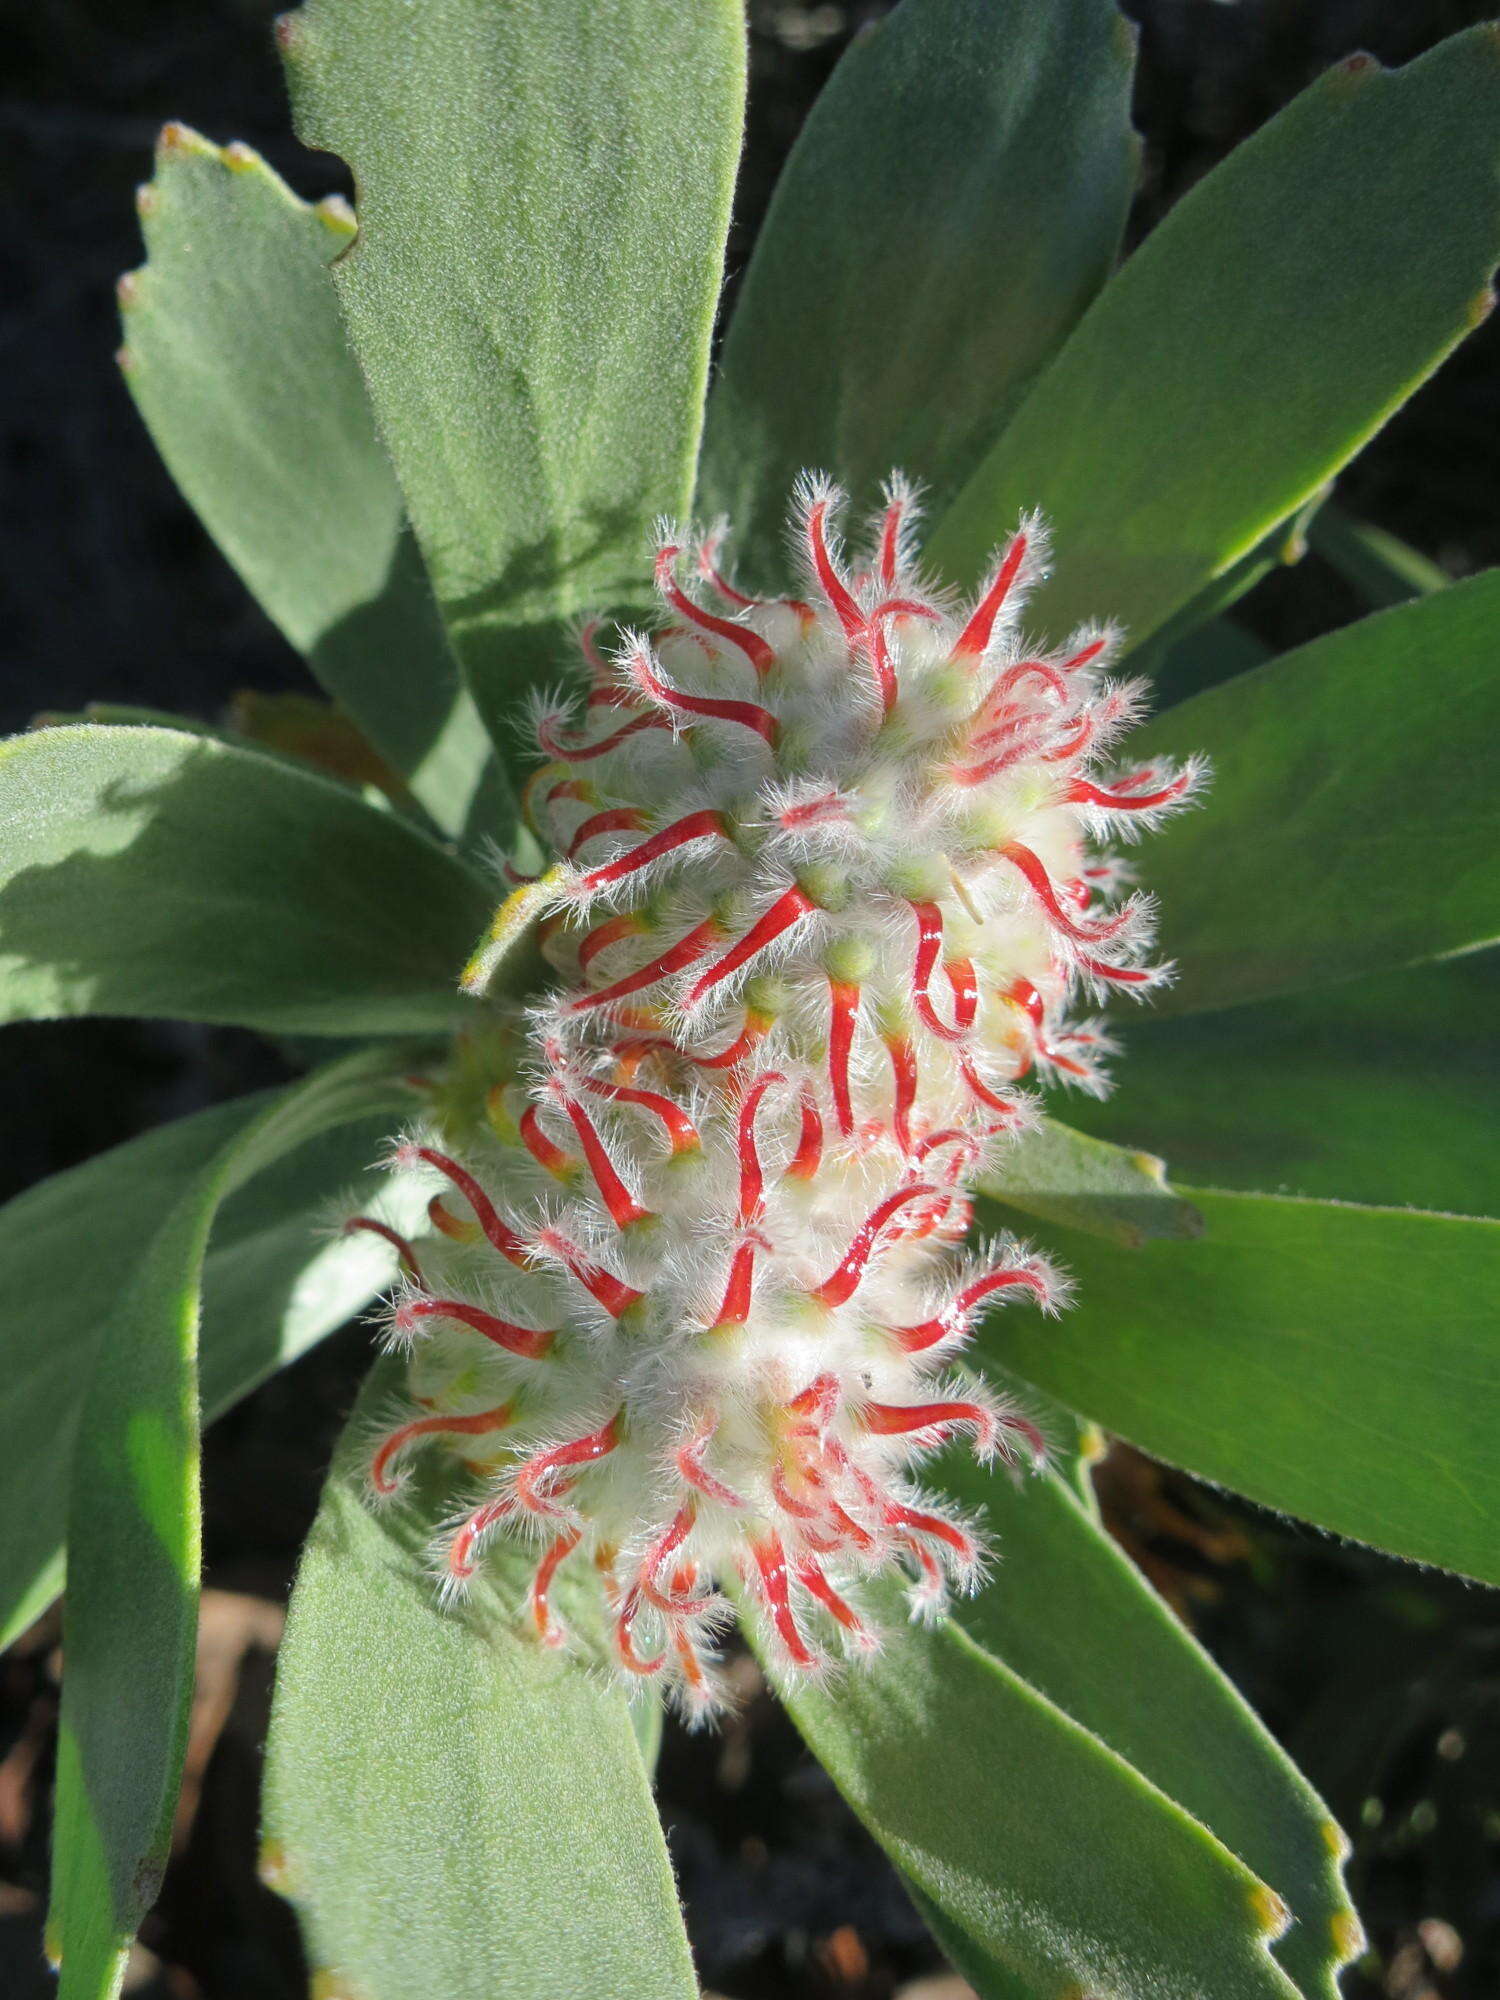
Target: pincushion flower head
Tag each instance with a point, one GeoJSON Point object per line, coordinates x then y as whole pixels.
{"type": "Point", "coordinates": [831, 886]}
{"type": "Point", "coordinates": [720, 1148]}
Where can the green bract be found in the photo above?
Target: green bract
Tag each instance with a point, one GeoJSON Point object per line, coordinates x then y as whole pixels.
{"type": "Point", "coordinates": [427, 447]}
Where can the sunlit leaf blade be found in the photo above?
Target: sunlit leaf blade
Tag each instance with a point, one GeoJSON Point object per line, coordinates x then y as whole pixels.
{"type": "Point", "coordinates": [1059, 1862]}
{"type": "Point", "coordinates": [543, 199]}
{"type": "Point", "coordinates": [1380, 1091]}
{"type": "Point", "coordinates": [988, 1977]}
{"type": "Point", "coordinates": [147, 871]}
{"type": "Point", "coordinates": [1288, 304]}
{"type": "Point", "coordinates": [133, 1539]}
{"type": "Point", "coordinates": [1068, 1177]}
{"type": "Point", "coordinates": [1350, 827]}
{"type": "Point", "coordinates": [453, 1808]}
{"type": "Point", "coordinates": [274, 1283]}
{"type": "Point", "coordinates": [1071, 1614]}
{"type": "Point", "coordinates": [954, 201]}
{"type": "Point", "coordinates": [1335, 1362]}
{"type": "Point", "coordinates": [237, 359]}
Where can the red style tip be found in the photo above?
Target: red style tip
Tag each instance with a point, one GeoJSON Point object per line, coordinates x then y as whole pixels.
{"type": "Point", "coordinates": [682, 833]}
{"type": "Point", "coordinates": [841, 1287]}
{"type": "Point", "coordinates": [504, 1239]}
{"type": "Point", "coordinates": [788, 909]}
{"type": "Point", "coordinates": [529, 1342]}
{"type": "Point", "coordinates": [974, 640]}
{"type": "Point", "coordinates": [760, 655]}
{"type": "Point", "coordinates": [403, 1249]}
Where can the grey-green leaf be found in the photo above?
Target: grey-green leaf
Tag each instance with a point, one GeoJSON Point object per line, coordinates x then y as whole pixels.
{"type": "Point", "coordinates": [543, 200]}
{"type": "Point", "coordinates": [1379, 1090]}
{"type": "Point", "coordinates": [148, 871]}
{"type": "Point", "coordinates": [454, 1809]}
{"type": "Point", "coordinates": [273, 1284]}
{"type": "Point", "coordinates": [237, 360]}
{"type": "Point", "coordinates": [1338, 1363]}
{"type": "Point", "coordinates": [1057, 1860]}
{"type": "Point", "coordinates": [1068, 1611]}
{"type": "Point", "coordinates": [1353, 824]}
{"type": "Point", "coordinates": [1060, 1175]}
{"type": "Point", "coordinates": [133, 1538]}
{"type": "Point", "coordinates": [1262, 333]}
{"type": "Point", "coordinates": [954, 201]}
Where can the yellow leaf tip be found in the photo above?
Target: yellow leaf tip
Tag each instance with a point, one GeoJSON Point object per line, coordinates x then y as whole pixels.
{"type": "Point", "coordinates": [1361, 67]}
{"type": "Point", "coordinates": [1480, 307]}
{"type": "Point", "coordinates": [330, 1985]}
{"type": "Point", "coordinates": [1271, 1914]}
{"type": "Point", "coordinates": [182, 142]}
{"type": "Point", "coordinates": [240, 158]}
{"type": "Point", "coordinates": [1092, 1444]}
{"type": "Point", "coordinates": [272, 1866]}
{"type": "Point", "coordinates": [1348, 1935]}
{"type": "Point", "coordinates": [1335, 1840]}
{"type": "Point", "coordinates": [337, 214]}
{"type": "Point", "coordinates": [128, 289]}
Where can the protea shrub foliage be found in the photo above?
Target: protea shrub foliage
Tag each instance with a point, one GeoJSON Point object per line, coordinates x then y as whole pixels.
{"type": "Point", "coordinates": [736, 921]}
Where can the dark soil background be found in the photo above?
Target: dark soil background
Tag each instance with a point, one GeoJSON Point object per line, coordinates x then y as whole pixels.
{"type": "Point", "coordinates": [1383, 1681]}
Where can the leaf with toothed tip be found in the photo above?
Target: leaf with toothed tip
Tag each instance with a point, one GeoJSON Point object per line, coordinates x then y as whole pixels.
{"type": "Point", "coordinates": [1347, 769]}
{"type": "Point", "coordinates": [237, 360]}
{"type": "Point", "coordinates": [952, 204]}
{"type": "Point", "coordinates": [1039, 1845]}
{"type": "Point", "coordinates": [1332, 261]}
{"type": "Point", "coordinates": [398, 1728]}
{"type": "Point", "coordinates": [1065, 1176]}
{"type": "Point", "coordinates": [1068, 1611]}
{"type": "Point", "coordinates": [134, 1535]}
{"type": "Point", "coordinates": [544, 194]}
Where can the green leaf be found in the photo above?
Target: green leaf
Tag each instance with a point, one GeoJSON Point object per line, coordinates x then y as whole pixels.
{"type": "Point", "coordinates": [149, 871]}
{"type": "Point", "coordinates": [1335, 1362]}
{"type": "Point", "coordinates": [1072, 1615]}
{"type": "Point", "coordinates": [1379, 1091]}
{"type": "Point", "coordinates": [1350, 827]}
{"type": "Point", "coordinates": [1054, 1858]}
{"type": "Point", "coordinates": [454, 1809]}
{"type": "Point", "coordinates": [133, 1539]}
{"type": "Point", "coordinates": [1203, 613]}
{"type": "Point", "coordinates": [1382, 568]}
{"type": "Point", "coordinates": [237, 360]}
{"type": "Point", "coordinates": [954, 201]}
{"type": "Point", "coordinates": [1260, 336]}
{"type": "Point", "coordinates": [988, 1977]}
{"type": "Point", "coordinates": [1206, 656]}
{"type": "Point", "coordinates": [543, 200]}
{"type": "Point", "coordinates": [273, 1285]}
{"type": "Point", "coordinates": [1066, 1176]}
